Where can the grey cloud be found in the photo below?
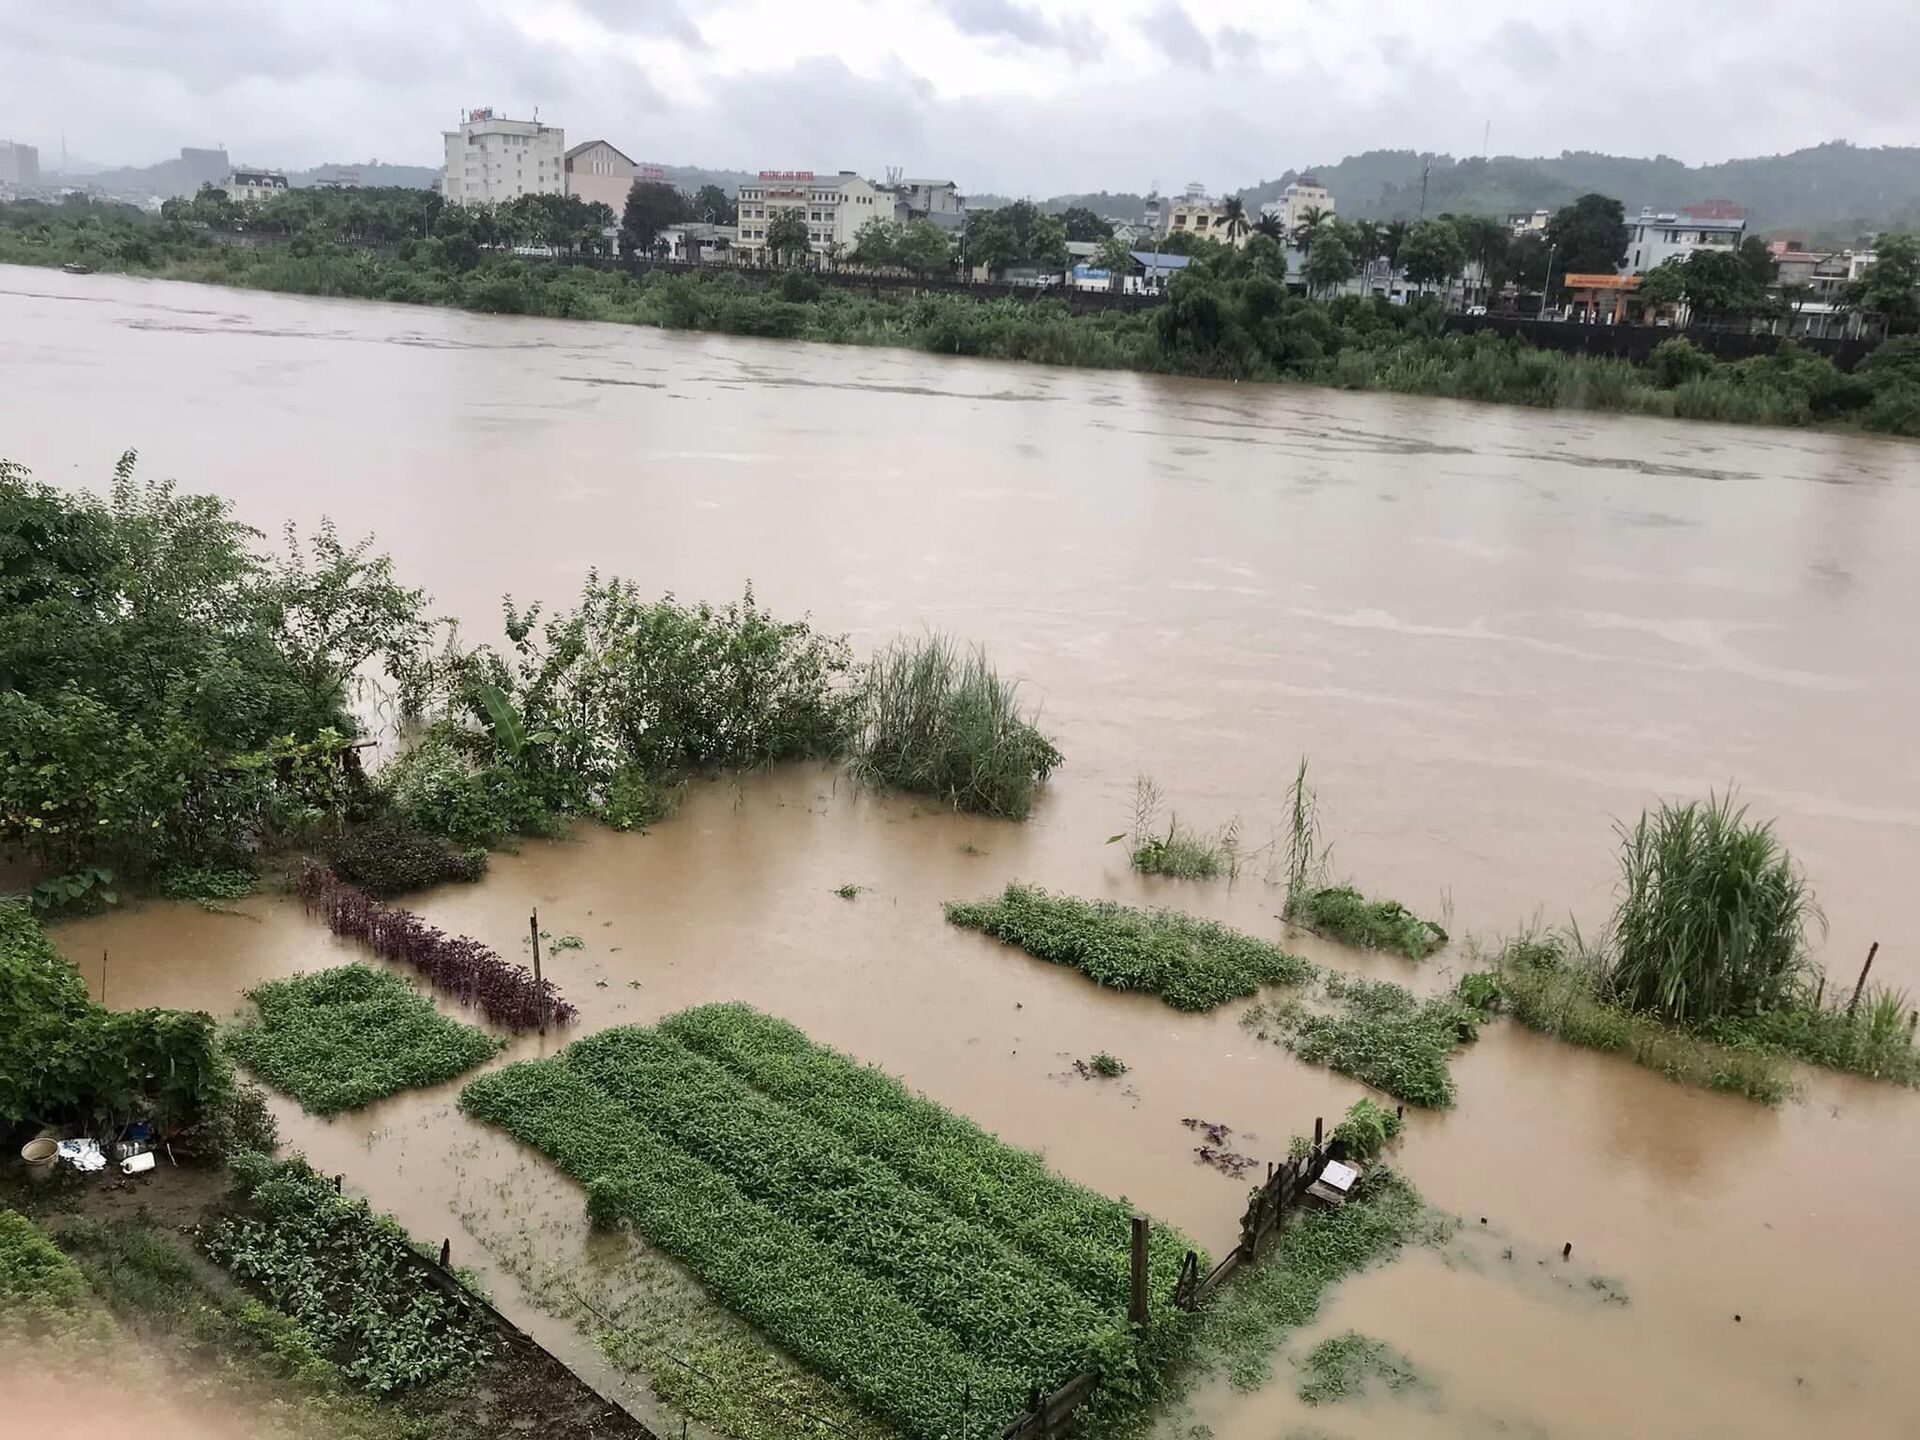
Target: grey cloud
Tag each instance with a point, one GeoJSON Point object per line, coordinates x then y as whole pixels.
{"type": "Point", "coordinates": [662, 18]}
{"type": "Point", "coordinates": [1009, 20]}
{"type": "Point", "coordinates": [1236, 43]}
{"type": "Point", "coordinates": [1174, 34]}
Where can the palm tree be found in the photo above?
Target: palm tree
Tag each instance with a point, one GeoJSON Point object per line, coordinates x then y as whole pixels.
{"type": "Point", "coordinates": [1270, 226]}
{"type": "Point", "coordinates": [1233, 218]}
{"type": "Point", "coordinates": [1312, 217]}
{"type": "Point", "coordinates": [1390, 238]}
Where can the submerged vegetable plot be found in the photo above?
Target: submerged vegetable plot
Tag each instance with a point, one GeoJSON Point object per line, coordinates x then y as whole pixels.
{"type": "Point", "coordinates": [926, 1267]}
{"type": "Point", "coordinates": [343, 1038]}
{"type": "Point", "coordinates": [1191, 964]}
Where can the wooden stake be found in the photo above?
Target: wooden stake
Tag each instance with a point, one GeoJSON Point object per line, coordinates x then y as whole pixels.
{"type": "Point", "coordinates": [1859, 985]}
{"type": "Point", "coordinates": [1137, 1304]}
{"type": "Point", "coordinates": [533, 928]}
{"type": "Point", "coordinates": [446, 1252]}
{"type": "Point", "coordinates": [1566, 1250]}
{"type": "Point", "coordinates": [103, 979]}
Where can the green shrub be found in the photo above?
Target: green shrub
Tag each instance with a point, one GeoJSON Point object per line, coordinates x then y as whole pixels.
{"type": "Point", "coordinates": [1676, 361]}
{"type": "Point", "coordinates": [65, 1059]}
{"type": "Point", "coordinates": [387, 858]}
{"type": "Point", "coordinates": [1346, 1365]}
{"type": "Point", "coordinates": [1367, 1129]}
{"type": "Point", "coordinates": [342, 1038]}
{"type": "Point", "coordinates": [1711, 915]}
{"type": "Point", "coordinates": [937, 719]}
{"type": "Point", "coordinates": [1110, 1066]}
{"type": "Point", "coordinates": [208, 884]}
{"type": "Point", "coordinates": [435, 787]}
{"type": "Point", "coordinates": [1874, 1039]}
{"type": "Point", "coordinates": [1192, 964]}
{"type": "Point", "coordinates": [1340, 912]}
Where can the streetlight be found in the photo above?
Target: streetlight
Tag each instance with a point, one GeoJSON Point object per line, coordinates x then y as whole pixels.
{"type": "Point", "coordinates": [1547, 288]}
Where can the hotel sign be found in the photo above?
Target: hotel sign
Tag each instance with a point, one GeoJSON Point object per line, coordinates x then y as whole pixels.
{"type": "Point", "coordinates": [786, 175]}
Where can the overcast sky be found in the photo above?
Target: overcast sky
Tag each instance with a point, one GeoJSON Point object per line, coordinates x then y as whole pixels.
{"type": "Point", "coordinates": [1015, 96]}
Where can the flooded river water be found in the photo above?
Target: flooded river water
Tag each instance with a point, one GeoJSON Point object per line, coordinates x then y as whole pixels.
{"type": "Point", "coordinates": [1494, 631]}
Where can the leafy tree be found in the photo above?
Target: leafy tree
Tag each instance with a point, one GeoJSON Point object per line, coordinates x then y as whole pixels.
{"type": "Point", "coordinates": [923, 246]}
{"type": "Point", "coordinates": [1270, 226]}
{"type": "Point", "coordinates": [1083, 225]}
{"type": "Point", "coordinates": [876, 243]}
{"type": "Point", "coordinates": [712, 203]}
{"type": "Point", "coordinates": [1890, 287]}
{"type": "Point", "coordinates": [1329, 263]}
{"type": "Point", "coordinates": [1588, 237]}
{"type": "Point", "coordinates": [787, 235]}
{"type": "Point", "coordinates": [1115, 256]}
{"type": "Point", "coordinates": [1526, 263]}
{"type": "Point", "coordinates": [1714, 285]}
{"type": "Point", "coordinates": [157, 675]}
{"type": "Point", "coordinates": [652, 205]}
{"type": "Point", "coordinates": [1047, 241]}
{"type": "Point", "coordinates": [1432, 252]}
{"type": "Point", "coordinates": [1487, 242]}
{"type": "Point", "coordinates": [990, 240]}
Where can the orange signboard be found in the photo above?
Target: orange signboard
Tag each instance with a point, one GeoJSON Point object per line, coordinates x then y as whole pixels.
{"type": "Point", "coordinates": [1601, 282]}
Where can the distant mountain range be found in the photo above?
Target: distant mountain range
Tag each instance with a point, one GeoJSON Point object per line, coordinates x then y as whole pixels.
{"type": "Point", "coordinates": [1834, 191]}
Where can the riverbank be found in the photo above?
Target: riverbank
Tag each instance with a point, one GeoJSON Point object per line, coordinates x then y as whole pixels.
{"type": "Point", "coordinates": [1224, 320]}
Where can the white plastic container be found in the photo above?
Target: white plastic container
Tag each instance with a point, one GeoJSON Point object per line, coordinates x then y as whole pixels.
{"type": "Point", "coordinates": [136, 1164]}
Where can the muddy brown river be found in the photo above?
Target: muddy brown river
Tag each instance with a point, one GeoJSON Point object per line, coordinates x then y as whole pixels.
{"type": "Point", "coordinates": [1495, 631]}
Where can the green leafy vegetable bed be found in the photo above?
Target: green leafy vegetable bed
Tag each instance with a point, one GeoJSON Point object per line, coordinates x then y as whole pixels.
{"type": "Point", "coordinates": [1340, 912]}
{"type": "Point", "coordinates": [1380, 1033]}
{"type": "Point", "coordinates": [903, 1252]}
{"type": "Point", "coordinates": [345, 1037]}
{"type": "Point", "coordinates": [1191, 964]}
{"type": "Point", "coordinates": [343, 1274]}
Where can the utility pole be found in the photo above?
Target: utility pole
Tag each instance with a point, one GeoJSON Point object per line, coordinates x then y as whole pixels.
{"type": "Point", "coordinates": [1546, 289]}
{"type": "Point", "coordinates": [1426, 169]}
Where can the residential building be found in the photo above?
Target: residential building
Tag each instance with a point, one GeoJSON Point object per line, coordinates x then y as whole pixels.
{"type": "Point", "coordinates": [834, 206]}
{"type": "Point", "coordinates": [19, 164]}
{"type": "Point", "coordinates": [491, 159]}
{"type": "Point", "coordinates": [1296, 200]}
{"type": "Point", "coordinates": [597, 172]}
{"type": "Point", "coordinates": [937, 200]}
{"type": "Point", "coordinates": [1528, 222]}
{"type": "Point", "coordinates": [697, 241]}
{"type": "Point", "coordinates": [1197, 213]}
{"type": "Point", "coordinates": [338, 177]}
{"type": "Point", "coordinates": [254, 185]}
{"type": "Point", "coordinates": [1655, 237]}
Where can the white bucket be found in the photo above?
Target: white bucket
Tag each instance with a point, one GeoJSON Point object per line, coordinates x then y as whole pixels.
{"type": "Point", "coordinates": [38, 1156]}
{"type": "Point", "coordinates": [137, 1164]}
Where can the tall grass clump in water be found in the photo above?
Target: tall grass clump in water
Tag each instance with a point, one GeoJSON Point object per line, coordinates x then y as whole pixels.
{"type": "Point", "coordinates": [1712, 915]}
{"type": "Point", "coordinates": [1178, 851]}
{"type": "Point", "coordinates": [937, 719]}
{"type": "Point", "coordinates": [1340, 912]}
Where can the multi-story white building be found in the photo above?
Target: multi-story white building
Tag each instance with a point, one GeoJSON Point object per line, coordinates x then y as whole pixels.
{"type": "Point", "coordinates": [1197, 213]}
{"type": "Point", "coordinates": [1655, 237]}
{"type": "Point", "coordinates": [491, 159]}
{"type": "Point", "coordinates": [1300, 196]}
{"type": "Point", "coordinates": [598, 172]}
{"type": "Point", "coordinates": [254, 185]}
{"type": "Point", "coordinates": [19, 164]}
{"type": "Point", "coordinates": [834, 206]}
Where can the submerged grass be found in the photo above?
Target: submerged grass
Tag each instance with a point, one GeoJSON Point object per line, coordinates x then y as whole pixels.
{"type": "Point", "coordinates": [937, 719]}
{"type": "Point", "coordinates": [1553, 984]}
{"type": "Point", "coordinates": [1177, 851]}
{"type": "Point", "coordinates": [1190, 963]}
{"type": "Point", "coordinates": [1378, 1032]}
{"type": "Point", "coordinates": [1345, 1366]}
{"type": "Point", "coordinates": [342, 1038]}
{"type": "Point", "coordinates": [1340, 912]}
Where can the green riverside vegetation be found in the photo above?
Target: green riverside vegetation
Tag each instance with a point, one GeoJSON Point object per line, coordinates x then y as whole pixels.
{"type": "Point", "coordinates": [343, 1038]}
{"type": "Point", "coordinates": [1231, 315]}
{"type": "Point", "coordinates": [804, 1209]}
{"type": "Point", "coordinates": [1191, 964]}
{"type": "Point", "coordinates": [1703, 973]}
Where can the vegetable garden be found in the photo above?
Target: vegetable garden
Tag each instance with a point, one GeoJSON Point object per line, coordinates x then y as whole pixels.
{"type": "Point", "coordinates": [931, 1270]}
